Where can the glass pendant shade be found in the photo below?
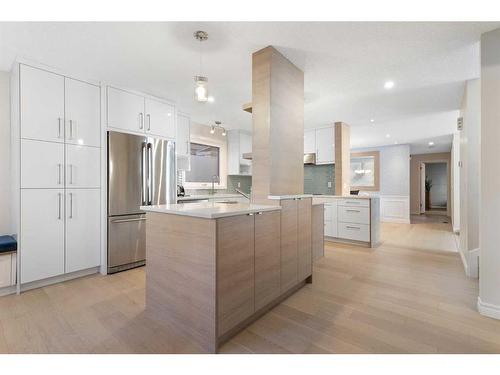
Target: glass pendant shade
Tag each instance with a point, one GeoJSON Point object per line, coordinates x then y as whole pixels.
{"type": "Point", "coordinates": [201, 90]}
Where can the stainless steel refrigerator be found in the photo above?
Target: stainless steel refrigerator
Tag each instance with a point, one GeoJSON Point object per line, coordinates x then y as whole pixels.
{"type": "Point", "coordinates": [141, 171]}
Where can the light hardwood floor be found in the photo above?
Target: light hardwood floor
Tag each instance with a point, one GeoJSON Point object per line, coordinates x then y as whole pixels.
{"type": "Point", "coordinates": [408, 296]}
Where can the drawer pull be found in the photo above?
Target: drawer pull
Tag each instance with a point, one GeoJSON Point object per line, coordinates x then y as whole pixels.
{"type": "Point", "coordinates": [353, 211]}
{"type": "Point", "coordinates": [349, 227]}
{"type": "Point", "coordinates": [128, 220]}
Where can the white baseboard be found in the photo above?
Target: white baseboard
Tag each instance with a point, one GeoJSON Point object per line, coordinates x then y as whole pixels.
{"type": "Point", "coordinates": [488, 309]}
{"type": "Point", "coordinates": [5, 291]}
{"type": "Point", "coordinates": [470, 261]}
{"type": "Point", "coordinates": [59, 279]}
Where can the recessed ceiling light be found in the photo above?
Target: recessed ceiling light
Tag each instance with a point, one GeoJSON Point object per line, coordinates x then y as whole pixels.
{"type": "Point", "coordinates": [431, 143]}
{"type": "Point", "coordinates": [372, 120]}
{"type": "Point", "coordinates": [389, 85]}
{"type": "Point", "coordinates": [211, 99]}
{"type": "Point", "coordinates": [388, 136]}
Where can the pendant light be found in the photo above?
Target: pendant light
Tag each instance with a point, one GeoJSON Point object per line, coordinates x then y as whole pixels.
{"type": "Point", "coordinates": [201, 82]}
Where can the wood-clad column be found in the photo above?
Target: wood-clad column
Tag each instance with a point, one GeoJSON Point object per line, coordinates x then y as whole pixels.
{"type": "Point", "coordinates": [342, 159]}
{"type": "Point", "coordinates": [278, 126]}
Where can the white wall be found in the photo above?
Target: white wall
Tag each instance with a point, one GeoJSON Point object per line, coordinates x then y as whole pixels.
{"type": "Point", "coordinates": [5, 225]}
{"type": "Point", "coordinates": [394, 182]}
{"type": "Point", "coordinates": [489, 258]}
{"type": "Point", "coordinates": [470, 153]}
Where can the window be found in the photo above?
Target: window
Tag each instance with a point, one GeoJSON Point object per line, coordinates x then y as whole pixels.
{"type": "Point", "coordinates": [365, 171]}
{"type": "Point", "coordinates": [205, 163]}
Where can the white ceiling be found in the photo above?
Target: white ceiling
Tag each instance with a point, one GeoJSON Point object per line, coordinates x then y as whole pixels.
{"type": "Point", "coordinates": [345, 66]}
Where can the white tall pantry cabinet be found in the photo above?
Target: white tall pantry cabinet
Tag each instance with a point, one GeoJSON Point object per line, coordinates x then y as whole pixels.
{"type": "Point", "coordinates": [56, 154]}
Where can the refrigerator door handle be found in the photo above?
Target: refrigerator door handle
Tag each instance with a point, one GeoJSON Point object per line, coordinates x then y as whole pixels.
{"type": "Point", "coordinates": [144, 174]}
{"type": "Point", "coordinates": [150, 173]}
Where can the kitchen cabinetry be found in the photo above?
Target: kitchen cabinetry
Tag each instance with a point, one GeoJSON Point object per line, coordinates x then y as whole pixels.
{"type": "Point", "coordinates": [182, 144]}
{"type": "Point", "coordinates": [325, 146]}
{"type": "Point", "coordinates": [331, 219]}
{"type": "Point", "coordinates": [58, 159]}
{"type": "Point", "coordinates": [239, 143]}
{"type": "Point", "coordinates": [296, 241]}
{"type": "Point", "coordinates": [318, 234]}
{"type": "Point", "coordinates": [136, 113]}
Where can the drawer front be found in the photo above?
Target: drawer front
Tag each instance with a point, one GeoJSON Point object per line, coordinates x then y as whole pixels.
{"type": "Point", "coordinates": [356, 232]}
{"type": "Point", "coordinates": [358, 215]}
{"type": "Point", "coordinates": [354, 202]}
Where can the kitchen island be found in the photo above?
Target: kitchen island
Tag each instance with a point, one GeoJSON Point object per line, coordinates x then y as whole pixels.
{"type": "Point", "coordinates": [213, 268]}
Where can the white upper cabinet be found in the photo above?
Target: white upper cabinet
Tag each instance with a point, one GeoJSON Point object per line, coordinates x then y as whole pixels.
{"type": "Point", "coordinates": [125, 110]}
{"type": "Point", "coordinates": [310, 141]}
{"type": "Point", "coordinates": [41, 104]}
{"type": "Point", "coordinates": [82, 229]}
{"type": "Point", "coordinates": [42, 164]}
{"type": "Point", "coordinates": [83, 115]}
{"type": "Point", "coordinates": [83, 169]}
{"type": "Point", "coordinates": [325, 146]}
{"type": "Point", "coordinates": [182, 142]}
{"type": "Point", "coordinates": [160, 118]}
{"type": "Point", "coordinates": [42, 234]}
{"type": "Point", "coordinates": [245, 147]}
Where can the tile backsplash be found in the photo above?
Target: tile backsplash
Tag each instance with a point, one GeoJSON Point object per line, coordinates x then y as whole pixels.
{"type": "Point", "coordinates": [316, 178]}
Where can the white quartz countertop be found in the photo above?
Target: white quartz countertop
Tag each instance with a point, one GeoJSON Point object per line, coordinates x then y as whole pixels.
{"type": "Point", "coordinates": [347, 196]}
{"type": "Point", "coordinates": [208, 196]}
{"type": "Point", "coordinates": [210, 210]}
{"type": "Point", "coordinates": [291, 196]}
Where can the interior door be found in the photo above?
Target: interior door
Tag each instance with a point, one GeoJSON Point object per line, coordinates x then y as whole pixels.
{"type": "Point", "coordinates": [42, 234]}
{"type": "Point", "coordinates": [83, 167]}
{"type": "Point", "coordinates": [42, 104]}
{"type": "Point", "coordinates": [422, 188]}
{"type": "Point", "coordinates": [83, 228]}
{"type": "Point", "coordinates": [125, 110]}
{"type": "Point", "coordinates": [83, 114]}
{"type": "Point", "coordinates": [160, 118]}
{"type": "Point", "coordinates": [42, 164]}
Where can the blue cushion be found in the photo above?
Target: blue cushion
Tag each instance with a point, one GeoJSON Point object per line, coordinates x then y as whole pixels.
{"type": "Point", "coordinates": [7, 244]}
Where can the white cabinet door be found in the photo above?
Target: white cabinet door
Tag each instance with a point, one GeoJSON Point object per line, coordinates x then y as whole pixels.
{"type": "Point", "coordinates": [183, 134]}
{"type": "Point", "coordinates": [42, 234]}
{"type": "Point", "coordinates": [83, 168]}
{"type": "Point", "coordinates": [83, 114]}
{"type": "Point", "coordinates": [160, 119]}
{"type": "Point", "coordinates": [42, 164]}
{"type": "Point", "coordinates": [325, 145]}
{"type": "Point", "coordinates": [83, 249]}
{"type": "Point", "coordinates": [310, 141]}
{"type": "Point", "coordinates": [42, 104]}
{"type": "Point", "coordinates": [125, 110]}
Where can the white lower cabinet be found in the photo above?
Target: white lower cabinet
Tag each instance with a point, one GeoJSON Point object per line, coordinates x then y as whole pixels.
{"type": "Point", "coordinates": [42, 234]}
{"type": "Point", "coordinates": [42, 164]}
{"type": "Point", "coordinates": [356, 232]}
{"type": "Point", "coordinates": [330, 221]}
{"type": "Point", "coordinates": [83, 169]}
{"type": "Point", "coordinates": [82, 229]}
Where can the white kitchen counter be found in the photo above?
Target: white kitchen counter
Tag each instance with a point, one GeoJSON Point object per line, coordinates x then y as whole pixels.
{"type": "Point", "coordinates": [209, 210]}
{"type": "Point", "coordinates": [208, 196]}
{"type": "Point", "coordinates": [290, 196]}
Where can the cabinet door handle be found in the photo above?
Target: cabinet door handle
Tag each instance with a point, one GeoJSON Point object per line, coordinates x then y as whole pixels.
{"type": "Point", "coordinates": [59, 195]}
{"type": "Point", "coordinates": [259, 213]}
{"type": "Point", "coordinates": [250, 214]}
{"type": "Point", "coordinates": [71, 205]}
{"type": "Point", "coordinates": [128, 220]}
{"type": "Point", "coordinates": [58, 127]}
{"type": "Point", "coordinates": [71, 174]}
{"type": "Point", "coordinates": [148, 116]}
{"type": "Point", "coordinates": [187, 148]}
{"type": "Point", "coordinates": [59, 166]}
{"type": "Point", "coordinates": [349, 227]}
{"type": "Point", "coordinates": [353, 210]}
{"type": "Point", "coordinates": [141, 120]}
{"type": "Point", "coordinates": [70, 129]}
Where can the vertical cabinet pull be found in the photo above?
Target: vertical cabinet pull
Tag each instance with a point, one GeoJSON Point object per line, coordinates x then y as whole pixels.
{"type": "Point", "coordinates": [59, 195]}
{"type": "Point", "coordinates": [71, 205]}
{"type": "Point", "coordinates": [187, 148]}
{"type": "Point", "coordinates": [70, 129]}
{"type": "Point", "coordinates": [141, 120]}
{"type": "Point", "coordinates": [149, 121]}
{"type": "Point", "coordinates": [71, 174]}
{"type": "Point", "coordinates": [58, 127]}
{"type": "Point", "coordinates": [59, 166]}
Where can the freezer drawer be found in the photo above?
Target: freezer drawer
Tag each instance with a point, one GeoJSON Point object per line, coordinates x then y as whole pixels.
{"type": "Point", "coordinates": [126, 242]}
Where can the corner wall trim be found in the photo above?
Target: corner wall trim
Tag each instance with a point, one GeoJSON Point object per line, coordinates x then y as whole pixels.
{"type": "Point", "coordinates": [488, 309]}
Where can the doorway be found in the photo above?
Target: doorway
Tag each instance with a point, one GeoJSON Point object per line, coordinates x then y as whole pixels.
{"type": "Point", "coordinates": [434, 189]}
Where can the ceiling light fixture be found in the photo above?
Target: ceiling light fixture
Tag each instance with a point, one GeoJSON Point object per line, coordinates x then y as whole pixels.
{"type": "Point", "coordinates": [388, 136]}
{"type": "Point", "coordinates": [218, 125]}
{"type": "Point", "coordinates": [389, 85]}
{"type": "Point", "coordinates": [210, 99]}
{"type": "Point", "coordinates": [224, 132]}
{"type": "Point", "coordinates": [212, 129]}
{"type": "Point", "coordinates": [372, 120]}
{"type": "Point", "coordinates": [201, 82]}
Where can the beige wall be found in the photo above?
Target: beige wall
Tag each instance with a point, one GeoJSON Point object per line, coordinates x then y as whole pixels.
{"type": "Point", "coordinates": [415, 183]}
{"type": "Point", "coordinates": [5, 180]}
{"type": "Point", "coordinates": [489, 252]}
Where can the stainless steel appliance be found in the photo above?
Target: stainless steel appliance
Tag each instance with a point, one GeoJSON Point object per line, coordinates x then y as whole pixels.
{"type": "Point", "coordinates": [141, 171]}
